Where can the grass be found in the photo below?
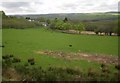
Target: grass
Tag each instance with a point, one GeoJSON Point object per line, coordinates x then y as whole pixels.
{"type": "Point", "coordinates": [29, 40]}
{"type": "Point", "coordinates": [24, 43]}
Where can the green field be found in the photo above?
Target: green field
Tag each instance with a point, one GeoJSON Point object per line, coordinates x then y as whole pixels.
{"type": "Point", "coordinates": [25, 42]}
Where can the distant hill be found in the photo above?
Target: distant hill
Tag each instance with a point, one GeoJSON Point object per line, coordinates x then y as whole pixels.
{"type": "Point", "coordinates": [113, 12]}
{"type": "Point", "coordinates": [76, 16]}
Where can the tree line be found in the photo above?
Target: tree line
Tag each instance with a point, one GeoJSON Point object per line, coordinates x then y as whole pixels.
{"type": "Point", "coordinates": [99, 27]}
{"type": "Point", "coordinates": [66, 25]}
{"type": "Point", "coordinates": [106, 27]}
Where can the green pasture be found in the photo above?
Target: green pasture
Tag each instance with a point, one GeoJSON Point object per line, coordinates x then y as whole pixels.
{"type": "Point", "coordinates": [24, 43]}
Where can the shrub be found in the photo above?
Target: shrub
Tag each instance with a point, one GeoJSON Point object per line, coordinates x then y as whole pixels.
{"type": "Point", "coordinates": [22, 69]}
{"type": "Point", "coordinates": [72, 71]}
{"type": "Point", "coordinates": [117, 67]}
{"type": "Point", "coordinates": [104, 68]}
{"type": "Point", "coordinates": [5, 57]}
{"type": "Point", "coordinates": [103, 65]}
{"type": "Point", "coordinates": [11, 55]}
{"type": "Point", "coordinates": [15, 60]}
{"type": "Point", "coordinates": [91, 72]}
{"type": "Point", "coordinates": [31, 61]}
{"type": "Point", "coordinates": [6, 63]}
{"type": "Point", "coordinates": [8, 56]}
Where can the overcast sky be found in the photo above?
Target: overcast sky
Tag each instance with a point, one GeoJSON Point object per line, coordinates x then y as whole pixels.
{"type": "Point", "coordinates": [57, 6]}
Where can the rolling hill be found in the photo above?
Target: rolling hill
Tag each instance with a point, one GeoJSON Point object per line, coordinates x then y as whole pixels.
{"type": "Point", "coordinates": [76, 16]}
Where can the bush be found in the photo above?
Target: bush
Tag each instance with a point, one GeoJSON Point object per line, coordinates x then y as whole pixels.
{"type": "Point", "coordinates": [103, 65]}
{"type": "Point", "coordinates": [6, 63]}
{"type": "Point", "coordinates": [73, 71]}
{"type": "Point", "coordinates": [91, 72]}
{"type": "Point", "coordinates": [117, 67]}
{"type": "Point", "coordinates": [5, 57]}
{"type": "Point", "coordinates": [31, 61]}
{"type": "Point", "coordinates": [11, 55]}
{"type": "Point", "coordinates": [22, 69]}
{"type": "Point", "coordinates": [104, 68]}
{"type": "Point", "coordinates": [16, 60]}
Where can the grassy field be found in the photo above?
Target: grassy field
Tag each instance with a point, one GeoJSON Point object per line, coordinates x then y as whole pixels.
{"type": "Point", "coordinates": [25, 42]}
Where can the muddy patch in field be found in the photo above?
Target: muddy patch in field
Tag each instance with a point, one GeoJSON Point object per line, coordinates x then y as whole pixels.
{"type": "Point", "coordinates": [84, 56]}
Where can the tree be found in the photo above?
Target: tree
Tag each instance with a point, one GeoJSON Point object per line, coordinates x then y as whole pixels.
{"type": "Point", "coordinates": [48, 21]}
{"type": "Point", "coordinates": [3, 14]}
{"type": "Point", "coordinates": [27, 18]}
{"type": "Point", "coordinates": [56, 24]}
{"type": "Point", "coordinates": [80, 27]}
{"type": "Point", "coordinates": [61, 25]}
{"type": "Point", "coordinates": [67, 26]}
{"type": "Point", "coordinates": [90, 27]}
{"type": "Point", "coordinates": [96, 31]}
{"type": "Point", "coordinates": [41, 19]}
{"type": "Point", "coordinates": [56, 20]}
{"type": "Point", "coordinates": [65, 20]}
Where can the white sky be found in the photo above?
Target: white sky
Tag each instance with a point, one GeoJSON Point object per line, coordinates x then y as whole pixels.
{"type": "Point", "coordinates": [57, 6]}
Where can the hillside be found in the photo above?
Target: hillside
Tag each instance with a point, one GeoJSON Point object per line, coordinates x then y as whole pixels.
{"type": "Point", "coordinates": [76, 16]}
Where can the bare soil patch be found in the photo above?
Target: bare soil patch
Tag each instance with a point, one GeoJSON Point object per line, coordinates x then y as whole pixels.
{"type": "Point", "coordinates": [84, 56]}
{"type": "Point", "coordinates": [11, 74]}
